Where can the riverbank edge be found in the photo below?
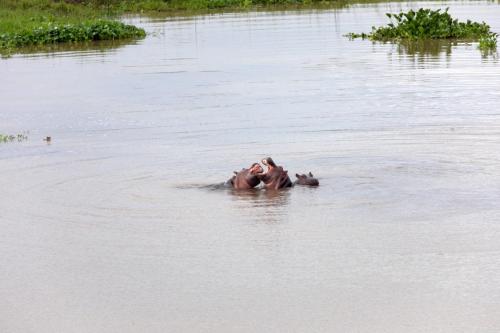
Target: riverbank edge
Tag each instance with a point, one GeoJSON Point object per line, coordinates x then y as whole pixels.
{"type": "Point", "coordinates": [39, 23]}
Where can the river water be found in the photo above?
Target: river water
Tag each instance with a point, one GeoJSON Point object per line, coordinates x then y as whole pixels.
{"type": "Point", "coordinates": [116, 225]}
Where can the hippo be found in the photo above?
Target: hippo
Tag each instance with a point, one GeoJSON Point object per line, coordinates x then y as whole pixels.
{"type": "Point", "coordinates": [275, 178]}
{"type": "Point", "coordinates": [307, 180]}
{"type": "Point", "coordinates": [246, 178]}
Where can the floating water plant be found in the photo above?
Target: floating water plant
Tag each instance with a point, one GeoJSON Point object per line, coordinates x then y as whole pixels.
{"type": "Point", "coordinates": [9, 137]}
{"type": "Point", "coordinates": [50, 33]}
{"type": "Point", "coordinates": [430, 24]}
{"type": "Point", "coordinates": [488, 42]}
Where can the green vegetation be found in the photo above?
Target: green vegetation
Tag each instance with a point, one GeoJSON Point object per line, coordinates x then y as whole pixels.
{"type": "Point", "coordinates": [51, 33]}
{"type": "Point", "coordinates": [488, 42]}
{"type": "Point", "coordinates": [430, 24]}
{"type": "Point", "coordinates": [31, 23]}
{"type": "Point", "coordinates": [176, 6]}
{"type": "Point", "coordinates": [27, 23]}
{"type": "Point", "coordinates": [98, 8]}
{"type": "Point", "coordinates": [9, 138]}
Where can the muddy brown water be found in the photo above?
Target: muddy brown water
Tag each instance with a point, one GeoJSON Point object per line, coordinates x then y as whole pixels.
{"type": "Point", "coordinates": [116, 225]}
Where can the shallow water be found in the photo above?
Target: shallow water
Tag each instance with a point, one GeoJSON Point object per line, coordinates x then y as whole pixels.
{"type": "Point", "coordinates": [118, 225]}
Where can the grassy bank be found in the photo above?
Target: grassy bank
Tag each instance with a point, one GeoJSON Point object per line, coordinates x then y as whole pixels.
{"type": "Point", "coordinates": [31, 23]}
{"type": "Point", "coordinates": [26, 23]}
{"type": "Point", "coordinates": [179, 6]}
{"type": "Point", "coordinates": [98, 8]}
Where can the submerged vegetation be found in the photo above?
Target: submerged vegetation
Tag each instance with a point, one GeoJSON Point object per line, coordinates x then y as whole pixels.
{"type": "Point", "coordinates": [430, 24]}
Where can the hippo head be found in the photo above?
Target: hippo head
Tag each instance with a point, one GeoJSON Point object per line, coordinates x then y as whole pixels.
{"type": "Point", "coordinates": [269, 162]}
{"type": "Point", "coordinates": [247, 178]}
{"type": "Point", "coordinates": [275, 177]}
{"type": "Point", "coordinates": [307, 180]}
{"type": "Point", "coordinates": [256, 169]}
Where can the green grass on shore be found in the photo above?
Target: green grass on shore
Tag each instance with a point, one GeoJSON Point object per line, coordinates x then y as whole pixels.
{"type": "Point", "coordinates": [116, 7]}
{"type": "Point", "coordinates": [28, 23]}
{"type": "Point", "coordinates": [201, 5]}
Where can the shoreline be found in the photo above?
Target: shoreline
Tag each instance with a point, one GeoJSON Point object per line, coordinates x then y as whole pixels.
{"type": "Point", "coordinates": [39, 24]}
{"type": "Point", "coordinates": [36, 24]}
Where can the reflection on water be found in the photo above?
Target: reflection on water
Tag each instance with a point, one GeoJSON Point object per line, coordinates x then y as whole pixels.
{"type": "Point", "coordinates": [71, 49]}
{"type": "Point", "coordinates": [490, 54]}
{"type": "Point", "coordinates": [420, 49]}
{"type": "Point", "coordinates": [426, 47]}
{"type": "Point", "coordinates": [264, 205]}
{"type": "Point", "coordinates": [114, 226]}
{"type": "Point", "coordinates": [262, 198]}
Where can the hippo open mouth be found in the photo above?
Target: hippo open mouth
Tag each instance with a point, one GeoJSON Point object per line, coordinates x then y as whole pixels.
{"type": "Point", "coordinates": [247, 178]}
{"type": "Point", "coordinates": [275, 177]}
{"type": "Point", "coordinates": [268, 162]}
{"type": "Point", "coordinates": [256, 168]}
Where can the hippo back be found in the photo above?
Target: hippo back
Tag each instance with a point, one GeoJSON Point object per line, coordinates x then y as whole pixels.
{"type": "Point", "coordinates": [306, 180]}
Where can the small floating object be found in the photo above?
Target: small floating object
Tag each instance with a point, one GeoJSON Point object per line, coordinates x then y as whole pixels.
{"type": "Point", "coordinates": [48, 139]}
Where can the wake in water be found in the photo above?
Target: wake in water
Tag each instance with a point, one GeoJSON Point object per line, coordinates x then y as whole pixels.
{"type": "Point", "coordinates": [211, 187]}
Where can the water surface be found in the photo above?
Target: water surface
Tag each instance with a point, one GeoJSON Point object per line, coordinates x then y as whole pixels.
{"type": "Point", "coordinates": [115, 226]}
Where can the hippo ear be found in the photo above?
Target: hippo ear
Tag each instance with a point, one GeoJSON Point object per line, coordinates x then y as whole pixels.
{"type": "Point", "coordinates": [310, 174]}
{"type": "Point", "coordinates": [235, 172]}
{"type": "Point", "coordinates": [297, 175]}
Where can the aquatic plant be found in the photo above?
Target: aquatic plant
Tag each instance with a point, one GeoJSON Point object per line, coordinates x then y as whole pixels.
{"type": "Point", "coordinates": [488, 42]}
{"type": "Point", "coordinates": [9, 137]}
{"type": "Point", "coordinates": [50, 33]}
{"type": "Point", "coordinates": [41, 22]}
{"type": "Point", "coordinates": [51, 22]}
{"type": "Point", "coordinates": [429, 24]}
